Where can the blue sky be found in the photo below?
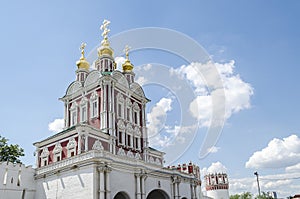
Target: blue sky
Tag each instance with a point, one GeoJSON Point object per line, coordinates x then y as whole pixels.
{"type": "Point", "coordinates": [40, 43]}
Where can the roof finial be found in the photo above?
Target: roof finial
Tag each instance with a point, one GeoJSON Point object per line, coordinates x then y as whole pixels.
{"type": "Point", "coordinates": [127, 66]}
{"type": "Point", "coordinates": [82, 46]}
{"type": "Point", "coordinates": [105, 48]}
{"type": "Point", "coordinates": [126, 50]}
{"type": "Point", "coordinates": [105, 29]}
{"type": "Point", "coordinates": [82, 63]}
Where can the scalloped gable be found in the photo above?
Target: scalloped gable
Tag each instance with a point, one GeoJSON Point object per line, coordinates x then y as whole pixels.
{"type": "Point", "coordinates": [92, 77]}
{"type": "Point", "coordinates": [73, 88]}
{"type": "Point", "coordinates": [121, 79]}
{"type": "Point", "coordinates": [137, 89]}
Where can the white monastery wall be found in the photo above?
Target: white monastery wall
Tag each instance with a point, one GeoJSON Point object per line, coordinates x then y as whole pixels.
{"type": "Point", "coordinates": [16, 181]}
{"type": "Point", "coordinates": [75, 183]}
{"type": "Point", "coordinates": [218, 194]}
{"type": "Point", "coordinates": [122, 181]}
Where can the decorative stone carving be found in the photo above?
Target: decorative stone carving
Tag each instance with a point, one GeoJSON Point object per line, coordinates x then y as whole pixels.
{"type": "Point", "coordinates": [136, 107]}
{"type": "Point", "coordinates": [151, 160]}
{"type": "Point", "coordinates": [97, 146]}
{"type": "Point", "coordinates": [121, 125]}
{"type": "Point", "coordinates": [157, 161]}
{"type": "Point", "coordinates": [137, 156]}
{"type": "Point", "coordinates": [120, 97]}
{"type": "Point", "coordinates": [72, 143]}
{"type": "Point", "coordinates": [121, 152]}
{"type": "Point", "coordinates": [45, 152]}
{"type": "Point", "coordinates": [130, 154]}
{"type": "Point", "coordinates": [57, 148]}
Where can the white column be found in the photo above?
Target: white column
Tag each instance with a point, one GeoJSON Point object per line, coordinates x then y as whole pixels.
{"type": "Point", "coordinates": [143, 194]}
{"type": "Point", "coordinates": [101, 187]}
{"type": "Point", "coordinates": [66, 115]}
{"type": "Point", "coordinates": [138, 186]}
{"type": "Point", "coordinates": [79, 143]}
{"type": "Point", "coordinates": [108, 170]}
{"type": "Point", "coordinates": [86, 143]}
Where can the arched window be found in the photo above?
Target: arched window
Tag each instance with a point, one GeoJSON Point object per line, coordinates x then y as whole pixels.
{"type": "Point", "coordinates": [120, 106]}
{"type": "Point", "coordinates": [73, 114]}
{"type": "Point", "coordinates": [94, 104]}
{"type": "Point", "coordinates": [83, 109]}
{"type": "Point", "coordinates": [136, 113]}
{"type": "Point", "coordinates": [57, 152]}
{"type": "Point", "coordinates": [121, 133]}
{"type": "Point", "coordinates": [71, 146]}
{"type": "Point", "coordinates": [44, 157]}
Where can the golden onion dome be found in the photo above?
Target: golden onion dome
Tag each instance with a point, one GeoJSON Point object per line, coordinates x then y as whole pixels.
{"type": "Point", "coordinates": [105, 48]}
{"type": "Point", "coordinates": [127, 65]}
{"type": "Point", "coordinates": [82, 63]}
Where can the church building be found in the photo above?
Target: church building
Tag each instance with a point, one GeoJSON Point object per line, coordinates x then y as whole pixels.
{"type": "Point", "coordinates": [103, 150]}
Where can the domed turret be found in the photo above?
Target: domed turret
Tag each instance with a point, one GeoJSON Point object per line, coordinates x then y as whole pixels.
{"type": "Point", "coordinates": [82, 63]}
{"type": "Point", "coordinates": [105, 62]}
{"type": "Point", "coordinates": [128, 66]}
{"type": "Point", "coordinates": [83, 66]}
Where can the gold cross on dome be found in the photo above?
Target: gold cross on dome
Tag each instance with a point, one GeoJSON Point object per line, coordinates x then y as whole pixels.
{"type": "Point", "coordinates": [104, 28]}
{"type": "Point", "coordinates": [126, 50]}
{"type": "Point", "coordinates": [82, 46]}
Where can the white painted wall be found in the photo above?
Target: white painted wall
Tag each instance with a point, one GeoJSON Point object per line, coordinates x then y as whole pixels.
{"type": "Point", "coordinates": [76, 183]}
{"type": "Point", "coordinates": [218, 194]}
{"type": "Point", "coordinates": [16, 181]}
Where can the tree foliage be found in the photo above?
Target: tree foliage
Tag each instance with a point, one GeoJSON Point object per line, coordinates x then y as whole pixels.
{"type": "Point", "coordinates": [10, 152]}
{"type": "Point", "coordinates": [245, 195]}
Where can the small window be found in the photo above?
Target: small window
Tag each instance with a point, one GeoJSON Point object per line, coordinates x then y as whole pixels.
{"type": "Point", "coordinates": [128, 114]}
{"type": "Point", "coordinates": [135, 117]}
{"type": "Point", "coordinates": [128, 140]}
{"type": "Point", "coordinates": [58, 158]}
{"type": "Point", "coordinates": [119, 110]}
{"type": "Point", "coordinates": [83, 114]}
{"type": "Point", "coordinates": [73, 118]}
{"type": "Point", "coordinates": [72, 153]}
{"type": "Point", "coordinates": [120, 137]}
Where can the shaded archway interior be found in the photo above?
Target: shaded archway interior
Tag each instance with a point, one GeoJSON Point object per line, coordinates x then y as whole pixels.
{"type": "Point", "coordinates": [158, 194]}
{"type": "Point", "coordinates": [121, 195]}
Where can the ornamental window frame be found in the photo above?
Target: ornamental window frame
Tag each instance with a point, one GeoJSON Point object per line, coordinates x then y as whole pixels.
{"type": "Point", "coordinates": [83, 110]}
{"type": "Point", "coordinates": [44, 157]}
{"type": "Point", "coordinates": [128, 110]}
{"type": "Point", "coordinates": [129, 137]}
{"type": "Point", "coordinates": [94, 105]}
{"type": "Point", "coordinates": [136, 113]}
{"type": "Point", "coordinates": [71, 147]}
{"type": "Point", "coordinates": [57, 152]}
{"type": "Point", "coordinates": [137, 139]}
{"type": "Point", "coordinates": [121, 133]}
{"type": "Point", "coordinates": [120, 106]}
{"type": "Point", "coordinates": [73, 114]}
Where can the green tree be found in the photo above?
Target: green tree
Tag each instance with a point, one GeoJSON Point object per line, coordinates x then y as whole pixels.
{"type": "Point", "coordinates": [245, 195]}
{"type": "Point", "coordinates": [11, 152]}
{"type": "Point", "coordinates": [263, 196]}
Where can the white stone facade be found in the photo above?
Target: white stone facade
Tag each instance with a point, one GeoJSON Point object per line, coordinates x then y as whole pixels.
{"type": "Point", "coordinates": [16, 181]}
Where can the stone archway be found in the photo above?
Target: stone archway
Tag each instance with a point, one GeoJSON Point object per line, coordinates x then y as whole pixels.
{"type": "Point", "coordinates": [121, 195]}
{"type": "Point", "coordinates": [158, 194]}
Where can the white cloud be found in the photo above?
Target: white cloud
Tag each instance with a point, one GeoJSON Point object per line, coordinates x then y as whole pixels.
{"type": "Point", "coordinates": [141, 80]}
{"type": "Point", "coordinates": [279, 153]}
{"type": "Point", "coordinates": [213, 149]}
{"type": "Point", "coordinates": [215, 167]}
{"type": "Point", "coordinates": [294, 168]}
{"type": "Point", "coordinates": [56, 126]}
{"type": "Point", "coordinates": [119, 61]}
{"type": "Point", "coordinates": [237, 92]}
{"type": "Point", "coordinates": [157, 116]}
{"type": "Point", "coordinates": [284, 184]}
